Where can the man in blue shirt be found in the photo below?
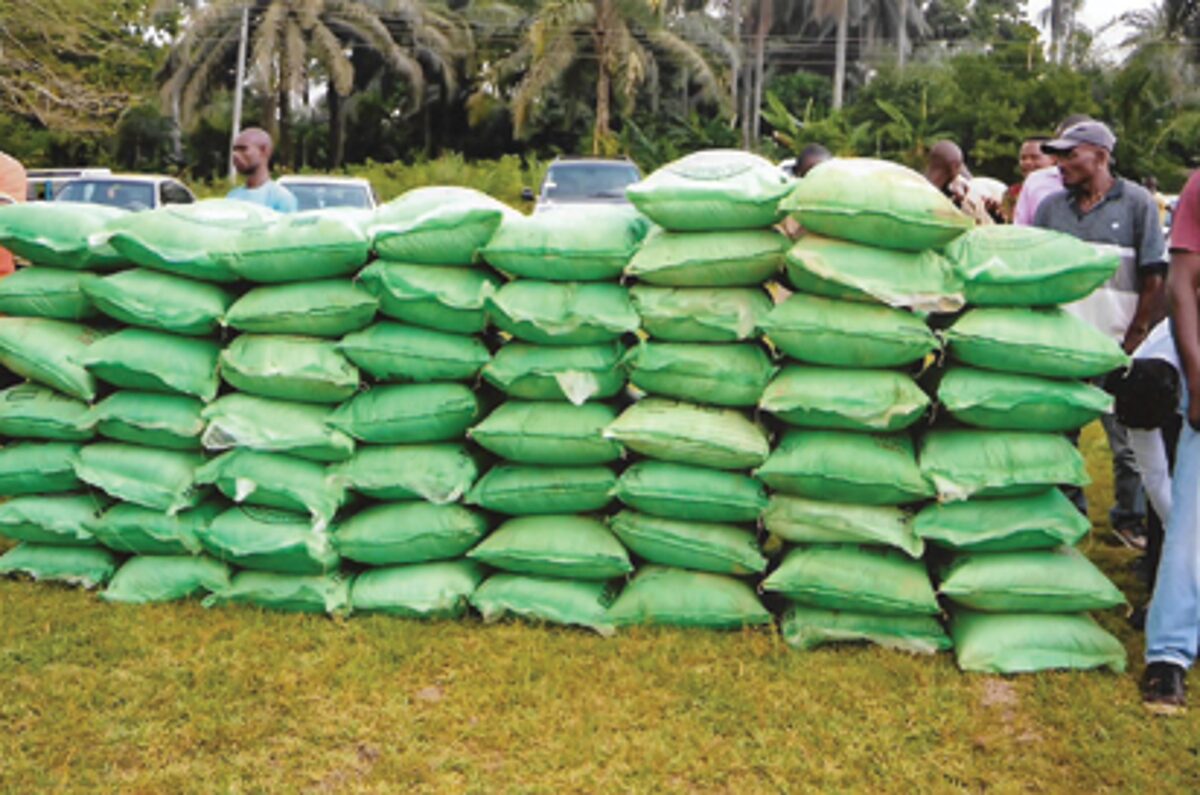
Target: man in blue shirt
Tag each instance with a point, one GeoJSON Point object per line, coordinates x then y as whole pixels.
{"type": "Point", "coordinates": [252, 159]}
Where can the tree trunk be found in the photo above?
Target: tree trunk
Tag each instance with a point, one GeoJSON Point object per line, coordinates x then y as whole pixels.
{"type": "Point", "coordinates": [839, 65]}
{"type": "Point", "coordinates": [735, 59]}
{"type": "Point", "coordinates": [337, 129]}
{"type": "Point", "coordinates": [765, 21]}
{"type": "Point", "coordinates": [285, 129]}
{"type": "Point", "coordinates": [601, 130]}
{"type": "Point", "coordinates": [902, 35]}
{"type": "Point", "coordinates": [1056, 30]}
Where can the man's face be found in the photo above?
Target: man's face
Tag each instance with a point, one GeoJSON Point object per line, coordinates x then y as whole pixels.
{"type": "Point", "coordinates": [1033, 158]}
{"type": "Point", "coordinates": [247, 155]}
{"type": "Point", "coordinates": [1081, 164]}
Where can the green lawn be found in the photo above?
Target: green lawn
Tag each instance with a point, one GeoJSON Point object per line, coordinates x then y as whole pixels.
{"type": "Point", "coordinates": [176, 698]}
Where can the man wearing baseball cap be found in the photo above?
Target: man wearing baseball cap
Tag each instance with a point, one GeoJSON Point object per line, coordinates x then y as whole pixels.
{"type": "Point", "coordinates": [1102, 208]}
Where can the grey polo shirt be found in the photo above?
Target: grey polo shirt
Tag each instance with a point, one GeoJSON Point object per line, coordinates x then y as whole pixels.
{"type": "Point", "coordinates": [1126, 218]}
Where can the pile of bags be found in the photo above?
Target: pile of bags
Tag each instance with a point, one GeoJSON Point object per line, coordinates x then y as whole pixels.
{"type": "Point", "coordinates": [595, 417]}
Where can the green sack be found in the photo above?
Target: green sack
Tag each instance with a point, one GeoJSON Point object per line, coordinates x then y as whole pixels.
{"type": "Point", "coordinates": [806, 628]}
{"type": "Point", "coordinates": [408, 414]}
{"type": "Point", "coordinates": [275, 426]}
{"type": "Point", "coordinates": [848, 334]}
{"type": "Point", "coordinates": [676, 597]}
{"type": "Point", "coordinates": [689, 493]}
{"type": "Point", "coordinates": [166, 578]}
{"type": "Point", "coordinates": [1048, 342]}
{"type": "Point", "coordinates": [720, 375]}
{"type": "Point", "coordinates": [571, 244]}
{"type": "Point", "coordinates": [142, 531]}
{"type": "Point", "coordinates": [1042, 521]}
{"type": "Point", "coordinates": [392, 352]}
{"type": "Point", "coordinates": [57, 234]}
{"type": "Point", "coordinates": [301, 247]}
{"type": "Point", "coordinates": [155, 361]}
{"type": "Point", "coordinates": [275, 481]}
{"type": "Point", "coordinates": [700, 314]}
{"type": "Point", "coordinates": [554, 434]}
{"type": "Point", "coordinates": [855, 578]}
{"type": "Point", "coordinates": [852, 400]}
{"type": "Point", "coordinates": [160, 301]}
{"type": "Point", "coordinates": [713, 189]}
{"type": "Point", "coordinates": [38, 468]}
{"type": "Point", "coordinates": [439, 590]}
{"type": "Point", "coordinates": [289, 593]}
{"type": "Point", "coordinates": [48, 352]}
{"type": "Point", "coordinates": [409, 532]}
{"type": "Point", "coordinates": [437, 473]}
{"type": "Point", "coordinates": [923, 281]}
{"type": "Point", "coordinates": [267, 539]}
{"type": "Point", "coordinates": [580, 603]}
{"type": "Point", "coordinates": [546, 313]}
{"type": "Point", "coordinates": [164, 480]}
{"type": "Point", "coordinates": [804, 521]}
{"type": "Point", "coordinates": [437, 225]}
{"type": "Point", "coordinates": [146, 418]}
{"type": "Point", "coordinates": [197, 240]}
{"type": "Point", "coordinates": [326, 308]}
{"type": "Point", "coordinates": [444, 299]}
{"type": "Point", "coordinates": [701, 546]}
{"type": "Point", "coordinates": [841, 466]}
{"type": "Point", "coordinates": [573, 547]}
{"type": "Point", "coordinates": [876, 203]}
{"type": "Point", "coordinates": [1011, 402]}
{"type": "Point", "coordinates": [709, 259]}
{"type": "Point", "coordinates": [530, 490]}
{"type": "Point", "coordinates": [577, 373]}
{"type": "Point", "coordinates": [88, 567]}
{"type": "Point", "coordinates": [301, 369]}
{"type": "Point", "coordinates": [1025, 642]}
{"type": "Point", "coordinates": [29, 411]}
{"type": "Point", "coordinates": [46, 292]}
{"type": "Point", "coordinates": [965, 463]}
{"type": "Point", "coordinates": [1023, 266]}
{"type": "Point", "coordinates": [684, 433]}
{"type": "Point", "coordinates": [54, 519]}
{"type": "Point", "coordinates": [1039, 581]}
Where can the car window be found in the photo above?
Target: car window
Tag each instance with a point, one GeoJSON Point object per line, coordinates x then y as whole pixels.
{"type": "Point", "coordinates": [111, 192]}
{"type": "Point", "coordinates": [319, 196]}
{"type": "Point", "coordinates": [588, 181]}
{"type": "Point", "coordinates": [174, 193]}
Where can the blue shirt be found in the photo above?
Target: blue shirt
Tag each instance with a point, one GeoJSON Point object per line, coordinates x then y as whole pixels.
{"type": "Point", "coordinates": [269, 194]}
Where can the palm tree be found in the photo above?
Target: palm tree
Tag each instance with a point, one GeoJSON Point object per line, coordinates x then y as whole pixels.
{"type": "Point", "coordinates": [295, 41]}
{"type": "Point", "coordinates": [625, 39]}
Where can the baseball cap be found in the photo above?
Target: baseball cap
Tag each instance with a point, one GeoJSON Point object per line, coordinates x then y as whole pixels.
{"type": "Point", "coordinates": [1085, 132]}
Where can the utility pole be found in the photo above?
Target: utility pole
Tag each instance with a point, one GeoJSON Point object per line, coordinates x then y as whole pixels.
{"type": "Point", "coordinates": [237, 89]}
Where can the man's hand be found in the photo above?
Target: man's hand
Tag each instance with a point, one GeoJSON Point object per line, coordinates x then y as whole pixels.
{"type": "Point", "coordinates": [1135, 335]}
{"type": "Point", "coordinates": [1193, 415]}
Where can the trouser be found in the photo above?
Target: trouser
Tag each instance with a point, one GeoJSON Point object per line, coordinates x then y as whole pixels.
{"type": "Point", "coordinates": [1155, 532]}
{"type": "Point", "coordinates": [1173, 624]}
{"type": "Point", "coordinates": [1129, 506]}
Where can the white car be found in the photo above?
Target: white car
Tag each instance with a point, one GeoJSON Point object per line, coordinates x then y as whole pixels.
{"type": "Point", "coordinates": [127, 191]}
{"type": "Point", "coordinates": [320, 192]}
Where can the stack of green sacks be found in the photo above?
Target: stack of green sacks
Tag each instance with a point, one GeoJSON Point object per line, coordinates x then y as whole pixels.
{"type": "Point", "coordinates": [267, 433]}
{"type": "Point", "coordinates": [845, 472]}
{"type": "Point", "coordinates": [134, 446]}
{"type": "Point", "coordinates": [1019, 590]}
{"type": "Point", "coordinates": [691, 506]}
{"type": "Point", "coordinates": [566, 322]}
{"type": "Point", "coordinates": [413, 468]}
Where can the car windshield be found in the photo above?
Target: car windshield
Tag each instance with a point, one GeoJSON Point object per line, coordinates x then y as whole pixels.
{"type": "Point", "coordinates": [320, 195]}
{"type": "Point", "coordinates": [113, 192]}
{"type": "Point", "coordinates": [589, 180]}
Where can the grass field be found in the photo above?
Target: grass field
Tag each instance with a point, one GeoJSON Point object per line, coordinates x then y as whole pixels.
{"type": "Point", "coordinates": [172, 699]}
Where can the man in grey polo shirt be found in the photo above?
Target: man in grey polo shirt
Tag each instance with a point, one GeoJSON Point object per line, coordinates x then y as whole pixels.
{"type": "Point", "coordinates": [1100, 207]}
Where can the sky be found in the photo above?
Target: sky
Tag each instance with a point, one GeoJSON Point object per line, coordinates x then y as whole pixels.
{"type": "Point", "coordinates": [1096, 13]}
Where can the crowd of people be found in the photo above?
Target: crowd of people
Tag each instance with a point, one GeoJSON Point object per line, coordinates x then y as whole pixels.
{"type": "Point", "coordinates": [1149, 307]}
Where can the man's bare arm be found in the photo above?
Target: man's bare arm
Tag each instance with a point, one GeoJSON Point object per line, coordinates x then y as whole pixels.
{"type": "Point", "coordinates": [1182, 283]}
{"type": "Point", "coordinates": [1151, 308]}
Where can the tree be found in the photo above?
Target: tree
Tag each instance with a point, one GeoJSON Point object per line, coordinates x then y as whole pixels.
{"type": "Point", "coordinates": [296, 42]}
{"type": "Point", "coordinates": [622, 39]}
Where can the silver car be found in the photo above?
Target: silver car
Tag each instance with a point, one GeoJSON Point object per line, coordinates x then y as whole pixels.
{"type": "Point", "coordinates": [584, 180]}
